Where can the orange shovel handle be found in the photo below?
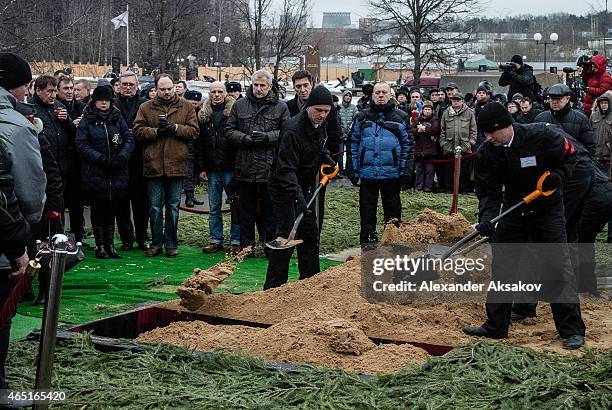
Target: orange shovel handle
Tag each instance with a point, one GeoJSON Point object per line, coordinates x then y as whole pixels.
{"type": "Point", "coordinates": [328, 177]}
{"type": "Point", "coordinates": [539, 192]}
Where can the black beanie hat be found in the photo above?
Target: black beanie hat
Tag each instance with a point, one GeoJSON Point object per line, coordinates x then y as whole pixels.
{"type": "Point", "coordinates": [14, 71]}
{"type": "Point", "coordinates": [492, 117]}
{"type": "Point", "coordinates": [102, 93]}
{"type": "Point", "coordinates": [516, 59]}
{"type": "Point", "coordinates": [319, 96]}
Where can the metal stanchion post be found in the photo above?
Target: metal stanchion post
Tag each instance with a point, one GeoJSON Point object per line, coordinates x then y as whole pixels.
{"type": "Point", "coordinates": [48, 335]}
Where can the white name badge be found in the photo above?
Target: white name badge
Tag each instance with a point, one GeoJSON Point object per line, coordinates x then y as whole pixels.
{"type": "Point", "coordinates": [528, 162]}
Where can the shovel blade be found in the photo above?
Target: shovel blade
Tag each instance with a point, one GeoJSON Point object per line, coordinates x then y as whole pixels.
{"type": "Point", "coordinates": [282, 243]}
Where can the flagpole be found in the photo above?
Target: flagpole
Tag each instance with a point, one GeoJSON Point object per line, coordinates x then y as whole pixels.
{"type": "Point", "coordinates": [127, 30]}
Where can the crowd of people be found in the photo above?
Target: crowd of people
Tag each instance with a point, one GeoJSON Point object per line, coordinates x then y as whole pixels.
{"type": "Point", "coordinates": [130, 152]}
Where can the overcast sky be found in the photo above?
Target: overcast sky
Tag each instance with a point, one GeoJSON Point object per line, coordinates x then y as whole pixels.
{"type": "Point", "coordinates": [495, 8]}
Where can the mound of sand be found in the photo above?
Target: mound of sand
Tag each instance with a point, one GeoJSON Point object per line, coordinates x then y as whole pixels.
{"type": "Point", "coordinates": [336, 294]}
{"type": "Point", "coordinates": [312, 337]}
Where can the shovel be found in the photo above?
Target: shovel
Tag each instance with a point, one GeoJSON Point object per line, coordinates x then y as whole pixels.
{"type": "Point", "coordinates": [282, 243]}
{"type": "Point", "coordinates": [526, 200]}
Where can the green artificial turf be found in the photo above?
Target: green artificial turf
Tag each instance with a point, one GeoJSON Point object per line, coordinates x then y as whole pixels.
{"type": "Point", "coordinates": [98, 288]}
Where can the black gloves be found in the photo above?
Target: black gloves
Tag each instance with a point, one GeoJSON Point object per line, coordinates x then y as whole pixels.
{"type": "Point", "coordinates": [247, 141]}
{"type": "Point", "coordinates": [259, 138]}
{"type": "Point", "coordinates": [117, 163]}
{"type": "Point", "coordinates": [485, 228]}
{"type": "Point", "coordinates": [553, 181]}
{"type": "Point", "coordinates": [300, 206]}
{"type": "Point", "coordinates": [168, 131]}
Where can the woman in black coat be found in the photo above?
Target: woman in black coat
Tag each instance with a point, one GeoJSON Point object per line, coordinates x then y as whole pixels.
{"type": "Point", "coordinates": [105, 144]}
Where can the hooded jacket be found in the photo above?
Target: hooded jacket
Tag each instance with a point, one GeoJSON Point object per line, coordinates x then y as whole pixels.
{"type": "Point", "coordinates": [381, 145]}
{"type": "Point", "coordinates": [602, 130]}
{"type": "Point", "coordinates": [99, 140]}
{"type": "Point", "coordinates": [213, 152]}
{"type": "Point", "coordinates": [23, 150]}
{"type": "Point", "coordinates": [165, 156]}
{"type": "Point", "coordinates": [254, 164]}
{"type": "Point", "coordinates": [598, 80]}
{"type": "Point", "coordinates": [346, 112]}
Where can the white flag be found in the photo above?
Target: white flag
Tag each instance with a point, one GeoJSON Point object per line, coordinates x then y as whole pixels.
{"type": "Point", "coordinates": [121, 20]}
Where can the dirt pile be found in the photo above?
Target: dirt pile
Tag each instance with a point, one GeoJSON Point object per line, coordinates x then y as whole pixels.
{"type": "Point", "coordinates": [429, 227]}
{"type": "Point", "coordinates": [312, 337]}
{"type": "Point", "coordinates": [337, 292]}
{"type": "Point", "coordinates": [203, 282]}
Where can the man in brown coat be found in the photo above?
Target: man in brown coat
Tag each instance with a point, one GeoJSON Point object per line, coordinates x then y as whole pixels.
{"type": "Point", "coordinates": [165, 124]}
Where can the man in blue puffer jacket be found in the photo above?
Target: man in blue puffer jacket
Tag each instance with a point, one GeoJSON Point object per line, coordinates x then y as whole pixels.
{"type": "Point", "coordinates": [381, 152]}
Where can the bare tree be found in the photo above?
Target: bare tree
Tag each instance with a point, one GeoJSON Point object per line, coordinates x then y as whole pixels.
{"type": "Point", "coordinates": [289, 30]}
{"type": "Point", "coordinates": [421, 28]}
{"type": "Point", "coordinates": [251, 17]}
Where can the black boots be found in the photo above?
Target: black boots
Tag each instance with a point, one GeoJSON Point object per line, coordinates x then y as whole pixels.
{"type": "Point", "coordinates": [191, 201]}
{"type": "Point", "coordinates": [43, 285]}
{"type": "Point", "coordinates": [105, 247]}
{"type": "Point", "coordinates": [99, 237]}
{"type": "Point", "coordinates": [109, 246]}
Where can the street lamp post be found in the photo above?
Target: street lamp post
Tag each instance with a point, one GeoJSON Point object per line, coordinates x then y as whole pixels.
{"type": "Point", "coordinates": [214, 41]}
{"type": "Point", "coordinates": [538, 39]}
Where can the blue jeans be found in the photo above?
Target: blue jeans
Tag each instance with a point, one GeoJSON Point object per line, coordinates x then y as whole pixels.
{"type": "Point", "coordinates": [164, 191]}
{"type": "Point", "coordinates": [217, 182]}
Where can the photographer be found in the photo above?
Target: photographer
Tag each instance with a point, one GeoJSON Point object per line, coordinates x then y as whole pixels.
{"type": "Point", "coordinates": [518, 76]}
{"type": "Point", "coordinates": [597, 80]}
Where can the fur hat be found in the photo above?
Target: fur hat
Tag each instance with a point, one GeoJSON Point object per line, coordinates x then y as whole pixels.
{"type": "Point", "coordinates": [14, 71]}
{"type": "Point", "coordinates": [102, 93]}
{"type": "Point", "coordinates": [193, 95]}
{"type": "Point", "coordinates": [233, 86]}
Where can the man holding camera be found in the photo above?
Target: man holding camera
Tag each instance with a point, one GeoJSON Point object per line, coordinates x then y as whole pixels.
{"type": "Point", "coordinates": [165, 124]}
{"type": "Point", "coordinates": [518, 76]}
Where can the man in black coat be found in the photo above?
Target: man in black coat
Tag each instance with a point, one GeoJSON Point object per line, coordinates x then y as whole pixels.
{"type": "Point", "coordinates": [128, 103]}
{"type": "Point", "coordinates": [519, 76]}
{"type": "Point", "coordinates": [253, 129]}
{"type": "Point", "coordinates": [303, 84]}
{"type": "Point", "coordinates": [73, 195]}
{"type": "Point", "coordinates": [508, 167]}
{"type": "Point", "coordinates": [300, 155]}
{"type": "Point", "coordinates": [528, 114]}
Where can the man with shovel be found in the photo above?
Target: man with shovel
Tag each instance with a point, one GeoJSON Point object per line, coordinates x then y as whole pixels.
{"type": "Point", "coordinates": [509, 166]}
{"type": "Point", "coordinates": [301, 152]}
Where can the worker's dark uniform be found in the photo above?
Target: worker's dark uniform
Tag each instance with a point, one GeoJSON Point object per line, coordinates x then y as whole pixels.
{"type": "Point", "coordinates": [595, 215]}
{"type": "Point", "coordinates": [301, 152]}
{"type": "Point", "coordinates": [504, 175]}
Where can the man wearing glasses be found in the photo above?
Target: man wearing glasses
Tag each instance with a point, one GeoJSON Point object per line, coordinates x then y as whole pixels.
{"type": "Point", "coordinates": [128, 102]}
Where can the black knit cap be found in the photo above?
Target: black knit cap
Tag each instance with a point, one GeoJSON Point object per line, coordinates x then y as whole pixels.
{"type": "Point", "coordinates": [516, 59]}
{"type": "Point", "coordinates": [319, 96]}
{"type": "Point", "coordinates": [14, 71]}
{"type": "Point", "coordinates": [492, 117]}
{"type": "Point", "coordinates": [102, 93]}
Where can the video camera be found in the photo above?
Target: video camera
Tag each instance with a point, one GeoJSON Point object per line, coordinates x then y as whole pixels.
{"type": "Point", "coordinates": [569, 70]}
{"type": "Point", "coordinates": [507, 67]}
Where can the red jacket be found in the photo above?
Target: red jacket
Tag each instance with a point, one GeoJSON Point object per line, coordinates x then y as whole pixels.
{"type": "Point", "coordinates": [597, 79]}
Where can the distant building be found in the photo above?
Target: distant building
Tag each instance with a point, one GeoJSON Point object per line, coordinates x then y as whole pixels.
{"type": "Point", "coordinates": [336, 20]}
